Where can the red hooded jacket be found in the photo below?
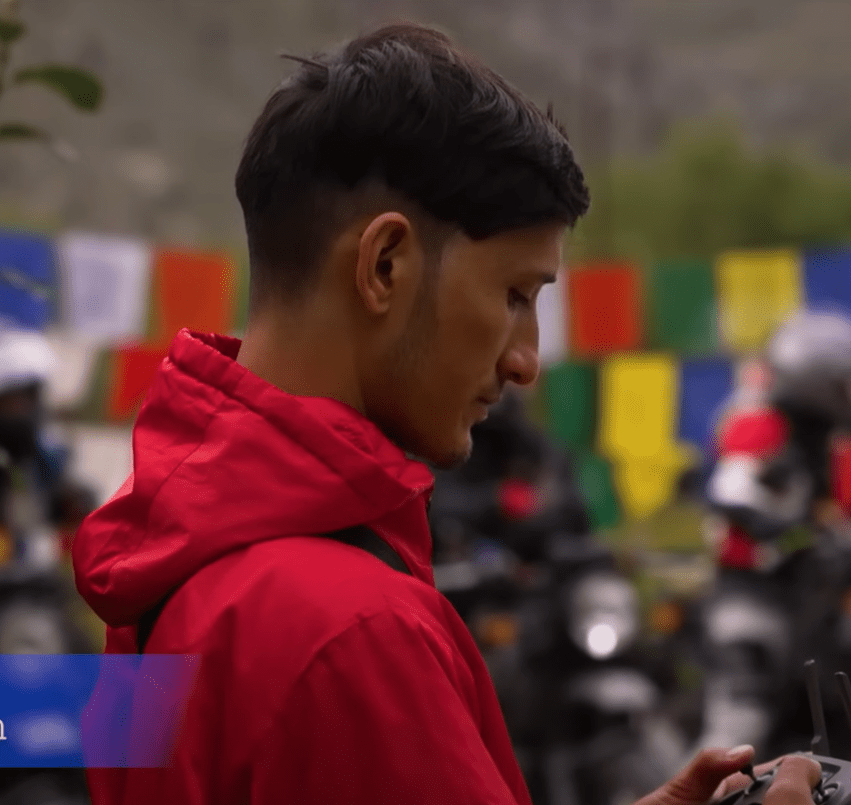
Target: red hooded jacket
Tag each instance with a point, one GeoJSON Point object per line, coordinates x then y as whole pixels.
{"type": "Point", "coordinates": [326, 676]}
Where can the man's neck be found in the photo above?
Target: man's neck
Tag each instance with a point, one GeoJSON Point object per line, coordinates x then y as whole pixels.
{"type": "Point", "coordinates": [300, 356]}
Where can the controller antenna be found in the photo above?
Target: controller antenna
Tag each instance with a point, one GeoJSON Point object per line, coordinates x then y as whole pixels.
{"type": "Point", "coordinates": [818, 745]}
{"type": "Point", "coordinates": [845, 692]}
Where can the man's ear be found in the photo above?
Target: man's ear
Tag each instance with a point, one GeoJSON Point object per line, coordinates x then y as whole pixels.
{"type": "Point", "coordinates": [388, 261]}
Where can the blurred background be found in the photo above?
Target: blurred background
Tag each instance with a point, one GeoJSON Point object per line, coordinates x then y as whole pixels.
{"type": "Point", "coordinates": [599, 543]}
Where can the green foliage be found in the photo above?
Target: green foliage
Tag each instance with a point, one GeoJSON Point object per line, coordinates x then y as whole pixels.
{"type": "Point", "coordinates": [10, 30]}
{"type": "Point", "coordinates": [82, 89]}
{"type": "Point", "coordinates": [21, 131]}
{"type": "Point", "coordinates": [705, 192]}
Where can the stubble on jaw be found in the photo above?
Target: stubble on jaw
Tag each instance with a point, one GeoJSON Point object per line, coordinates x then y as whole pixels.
{"type": "Point", "coordinates": [410, 354]}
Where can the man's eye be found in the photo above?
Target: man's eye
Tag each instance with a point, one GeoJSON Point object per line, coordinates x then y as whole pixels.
{"type": "Point", "coordinates": [515, 299]}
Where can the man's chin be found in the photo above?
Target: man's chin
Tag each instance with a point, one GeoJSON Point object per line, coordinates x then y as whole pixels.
{"type": "Point", "coordinates": [453, 458]}
{"type": "Point", "coordinates": [440, 457]}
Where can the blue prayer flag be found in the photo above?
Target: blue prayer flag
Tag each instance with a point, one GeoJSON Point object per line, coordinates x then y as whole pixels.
{"type": "Point", "coordinates": [827, 279]}
{"type": "Point", "coordinates": [27, 279]}
{"type": "Point", "coordinates": [704, 385]}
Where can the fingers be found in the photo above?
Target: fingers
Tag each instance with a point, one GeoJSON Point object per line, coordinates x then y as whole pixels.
{"type": "Point", "coordinates": [793, 782]}
{"type": "Point", "coordinates": [696, 784]}
{"type": "Point", "coordinates": [740, 780]}
{"type": "Point", "coordinates": [714, 773]}
{"type": "Point", "coordinates": [735, 782]}
{"type": "Point", "coordinates": [764, 768]}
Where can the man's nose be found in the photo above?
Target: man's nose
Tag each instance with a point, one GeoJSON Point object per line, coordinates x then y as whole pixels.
{"type": "Point", "coordinates": [520, 362]}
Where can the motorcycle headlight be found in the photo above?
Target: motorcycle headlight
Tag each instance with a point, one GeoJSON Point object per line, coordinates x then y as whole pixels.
{"type": "Point", "coordinates": [29, 628]}
{"type": "Point", "coordinates": [601, 612]}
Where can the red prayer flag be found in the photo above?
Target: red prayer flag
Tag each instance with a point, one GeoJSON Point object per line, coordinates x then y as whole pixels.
{"type": "Point", "coordinates": [134, 369]}
{"type": "Point", "coordinates": [841, 473]}
{"type": "Point", "coordinates": [605, 309]}
{"type": "Point", "coordinates": [195, 290]}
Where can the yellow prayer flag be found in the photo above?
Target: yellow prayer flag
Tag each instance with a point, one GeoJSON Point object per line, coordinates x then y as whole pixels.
{"type": "Point", "coordinates": [639, 401]}
{"type": "Point", "coordinates": [644, 487]}
{"type": "Point", "coordinates": [757, 290]}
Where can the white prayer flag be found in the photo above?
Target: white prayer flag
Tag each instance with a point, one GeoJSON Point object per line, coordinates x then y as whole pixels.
{"type": "Point", "coordinates": [75, 359]}
{"type": "Point", "coordinates": [552, 322]}
{"type": "Point", "coordinates": [102, 458]}
{"type": "Point", "coordinates": [106, 285]}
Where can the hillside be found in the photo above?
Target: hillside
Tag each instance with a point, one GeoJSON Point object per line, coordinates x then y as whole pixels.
{"type": "Point", "coordinates": [186, 77]}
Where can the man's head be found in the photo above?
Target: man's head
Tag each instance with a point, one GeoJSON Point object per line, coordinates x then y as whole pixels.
{"type": "Point", "coordinates": [411, 189]}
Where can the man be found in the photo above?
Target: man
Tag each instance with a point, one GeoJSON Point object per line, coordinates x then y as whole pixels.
{"type": "Point", "coordinates": [403, 207]}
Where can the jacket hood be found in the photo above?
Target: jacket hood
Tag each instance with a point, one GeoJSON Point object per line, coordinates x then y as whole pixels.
{"type": "Point", "coordinates": [222, 459]}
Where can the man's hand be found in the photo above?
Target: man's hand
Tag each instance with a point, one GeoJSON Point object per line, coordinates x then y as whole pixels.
{"type": "Point", "coordinates": [714, 773]}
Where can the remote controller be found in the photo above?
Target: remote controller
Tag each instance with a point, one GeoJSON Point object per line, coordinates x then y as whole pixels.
{"type": "Point", "coordinates": [835, 785]}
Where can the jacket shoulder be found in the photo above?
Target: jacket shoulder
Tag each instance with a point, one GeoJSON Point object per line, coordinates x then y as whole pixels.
{"type": "Point", "coordinates": [314, 650]}
{"type": "Point", "coordinates": [304, 588]}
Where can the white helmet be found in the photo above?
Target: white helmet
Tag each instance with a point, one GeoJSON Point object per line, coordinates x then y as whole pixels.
{"type": "Point", "coordinates": [25, 357]}
{"type": "Point", "coordinates": [810, 357]}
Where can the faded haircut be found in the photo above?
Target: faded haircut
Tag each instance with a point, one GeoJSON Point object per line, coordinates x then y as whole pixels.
{"type": "Point", "coordinates": [397, 117]}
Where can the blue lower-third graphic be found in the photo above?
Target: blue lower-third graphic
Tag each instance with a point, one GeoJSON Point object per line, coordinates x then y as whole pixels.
{"type": "Point", "coordinates": [86, 710]}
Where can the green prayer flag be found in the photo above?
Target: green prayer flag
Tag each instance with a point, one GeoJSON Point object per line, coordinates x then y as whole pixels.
{"type": "Point", "coordinates": [570, 394]}
{"type": "Point", "coordinates": [92, 405]}
{"type": "Point", "coordinates": [595, 480]}
{"type": "Point", "coordinates": [682, 312]}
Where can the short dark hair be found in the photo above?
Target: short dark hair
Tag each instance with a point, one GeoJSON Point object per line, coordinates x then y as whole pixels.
{"type": "Point", "coordinates": [401, 108]}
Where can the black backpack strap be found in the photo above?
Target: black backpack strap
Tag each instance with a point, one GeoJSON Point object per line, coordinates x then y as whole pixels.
{"type": "Point", "coordinates": [359, 536]}
{"type": "Point", "coordinates": [146, 624]}
{"type": "Point", "coordinates": [366, 539]}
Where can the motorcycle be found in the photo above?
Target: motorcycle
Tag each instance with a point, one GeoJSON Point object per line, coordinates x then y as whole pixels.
{"type": "Point", "coordinates": [557, 625]}
{"type": "Point", "coordinates": [583, 708]}
{"type": "Point", "coordinates": [36, 617]}
{"type": "Point", "coordinates": [761, 626]}
{"type": "Point", "coordinates": [783, 586]}
{"type": "Point", "coordinates": [42, 787]}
